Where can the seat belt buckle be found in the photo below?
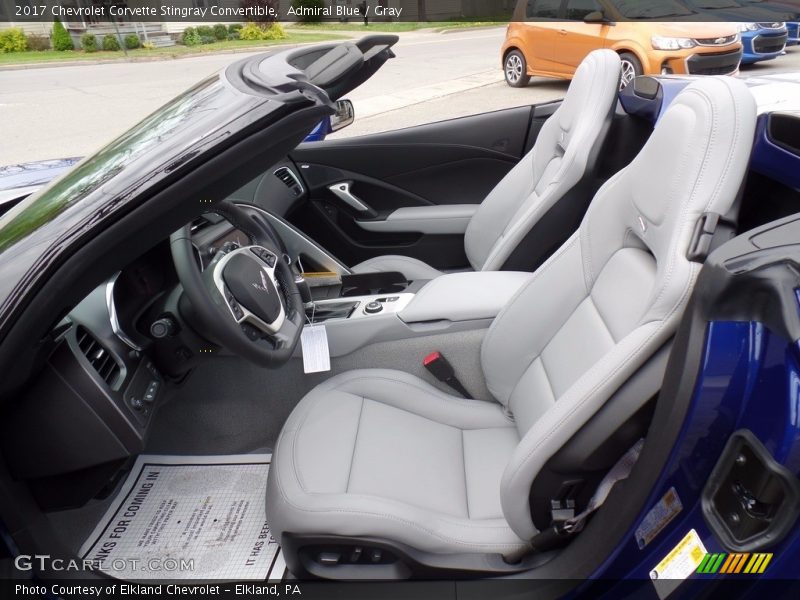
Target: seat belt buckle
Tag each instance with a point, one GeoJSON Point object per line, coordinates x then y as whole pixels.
{"type": "Point", "coordinates": [440, 367]}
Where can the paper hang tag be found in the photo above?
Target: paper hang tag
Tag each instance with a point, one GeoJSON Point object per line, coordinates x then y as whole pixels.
{"type": "Point", "coordinates": [316, 355]}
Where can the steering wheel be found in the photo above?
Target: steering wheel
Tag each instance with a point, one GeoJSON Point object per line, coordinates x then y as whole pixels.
{"type": "Point", "coordinates": [246, 300]}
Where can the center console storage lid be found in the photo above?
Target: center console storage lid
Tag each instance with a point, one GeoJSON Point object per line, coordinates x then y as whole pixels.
{"type": "Point", "coordinates": [464, 296]}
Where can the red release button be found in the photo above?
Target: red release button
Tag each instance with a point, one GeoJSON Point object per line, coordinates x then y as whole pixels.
{"type": "Point", "coordinates": [432, 357]}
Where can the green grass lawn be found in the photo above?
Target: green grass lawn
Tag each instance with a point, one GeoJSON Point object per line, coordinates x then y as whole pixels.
{"type": "Point", "coordinates": [293, 37]}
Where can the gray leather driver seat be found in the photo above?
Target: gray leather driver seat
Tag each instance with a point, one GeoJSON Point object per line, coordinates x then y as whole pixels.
{"type": "Point", "coordinates": [382, 454]}
{"type": "Point", "coordinates": [557, 162]}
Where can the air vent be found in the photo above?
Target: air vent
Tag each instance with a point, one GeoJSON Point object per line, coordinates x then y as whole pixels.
{"type": "Point", "coordinates": [290, 180]}
{"type": "Point", "coordinates": [101, 359]}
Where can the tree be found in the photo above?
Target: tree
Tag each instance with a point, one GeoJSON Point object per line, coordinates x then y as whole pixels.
{"type": "Point", "coordinates": [61, 38]}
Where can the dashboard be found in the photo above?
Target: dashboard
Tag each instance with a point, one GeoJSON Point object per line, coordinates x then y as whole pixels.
{"type": "Point", "coordinates": [106, 369]}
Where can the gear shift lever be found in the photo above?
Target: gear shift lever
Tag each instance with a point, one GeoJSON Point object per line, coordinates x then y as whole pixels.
{"type": "Point", "coordinates": [305, 290]}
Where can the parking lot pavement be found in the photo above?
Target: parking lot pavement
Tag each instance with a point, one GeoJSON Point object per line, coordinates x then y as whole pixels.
{"type": "Point", "coordinates": [72, 111]}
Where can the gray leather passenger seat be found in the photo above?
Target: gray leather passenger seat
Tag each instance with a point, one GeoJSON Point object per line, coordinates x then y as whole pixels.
{"type": "Point", "coordinates": [556, 163]}
{"type": "Point", "coordinates": [381, 454]}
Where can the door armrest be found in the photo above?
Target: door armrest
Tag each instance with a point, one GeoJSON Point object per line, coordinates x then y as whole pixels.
{"type": "Point", "coordinates": [442, 219]}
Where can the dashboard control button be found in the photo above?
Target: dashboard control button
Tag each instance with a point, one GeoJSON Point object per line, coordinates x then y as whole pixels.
{"type": "Point", "coordinates": [251, 332]}
{"type": "Point", "coordinates": [136, 404]}
{"type": "Point", "coordinates": [237, 310]}
{"type": "Point", "coordinates": [151, 392]}
{"type": "Point", "coordinates": [163, 327]}
{"type": "Point", "coordinates": [265, 255]}
{"type": "Point", "coordinates": [373, 307]}
{"type": "Point", "coordinates": [329, 558]}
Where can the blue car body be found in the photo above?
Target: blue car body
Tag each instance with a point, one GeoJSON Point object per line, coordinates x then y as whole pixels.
{"type": "Point", "coordinates": [763, 41]}
{"type": "Point", "coordinates": [793, 32]}
{"type": "Point", "coordinates": [766, 42]}
{"type": "Point", "coordinates": [785, 10]}
{"type": "Point", "coordinates": [778, 92]}
{"type": "Point", "coordinates": [320, 131]}
{"type": "Point", "coordinates": [739, 376]}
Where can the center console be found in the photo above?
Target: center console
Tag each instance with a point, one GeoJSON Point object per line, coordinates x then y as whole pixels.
{"type": "Point", "coordinates": [358, 310]}
{"type": "Point", "coordinates": [330, 296]}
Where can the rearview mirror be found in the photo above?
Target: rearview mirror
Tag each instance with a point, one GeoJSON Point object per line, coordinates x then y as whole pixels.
{"type": "Point", "coordinates": [597, 16]}
{"type": "Point", "coordinates": [343, 116]}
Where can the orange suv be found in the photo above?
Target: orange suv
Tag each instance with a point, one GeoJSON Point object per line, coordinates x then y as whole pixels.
{"type": "Point", "coordinates": [560, 33]}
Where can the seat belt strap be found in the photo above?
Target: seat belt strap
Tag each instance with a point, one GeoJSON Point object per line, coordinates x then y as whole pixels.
{"type": "Point", "coordinates": [621, 470]}
{"type": "Point", "coordinates": [559, 531]}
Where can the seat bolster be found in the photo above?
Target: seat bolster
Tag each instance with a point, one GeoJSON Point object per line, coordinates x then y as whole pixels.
{"type": "Point", "coordinates": [572, 410]}
{"type": "Point", "coordinates": [413, 269]}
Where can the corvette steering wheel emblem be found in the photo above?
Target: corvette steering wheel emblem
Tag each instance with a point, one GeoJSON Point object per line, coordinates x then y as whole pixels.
{"type": "Point", "coordinates": [262, 287]}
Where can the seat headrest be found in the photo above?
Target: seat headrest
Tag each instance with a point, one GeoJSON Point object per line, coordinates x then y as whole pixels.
{"type": "Point", "coordinates": [598, 67]}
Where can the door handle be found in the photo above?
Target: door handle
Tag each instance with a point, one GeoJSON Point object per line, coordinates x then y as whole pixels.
{"type": "Point", "coordinates": [562, 32]}
{"type": "Point", "coordinates": [342, 191]}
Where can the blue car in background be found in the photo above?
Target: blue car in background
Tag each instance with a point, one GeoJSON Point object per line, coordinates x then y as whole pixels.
{"type": "Point", "coordinates": [740, 11]}
{"type": "Point", "coordinates": [763, 25]}
{"type": "Point", "coordinates": [785, 10]}
{"type": "Point", "coordinates": [793, 31]}
{"type": "Point", "coordinates": [763, 40]}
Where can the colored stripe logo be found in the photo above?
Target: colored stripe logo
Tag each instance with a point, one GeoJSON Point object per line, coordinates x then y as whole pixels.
{"type": "Point", "coordinates": [734, 564]}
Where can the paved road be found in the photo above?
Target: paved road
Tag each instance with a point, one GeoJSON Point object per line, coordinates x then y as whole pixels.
{"type": "Point", "coordinates": [69, 111]}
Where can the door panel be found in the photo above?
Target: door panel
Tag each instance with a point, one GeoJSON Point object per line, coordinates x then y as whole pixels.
{"type": "Point", "coordinates": [541, 36]}
{"type": "Point", "coordinates": [542, 47]}
{"type": "Point", "coordinates": [581, 38]}
{"type": "Point", "coordinates": [455, 162]}
{"type": "Point", "coordinates": [429, 174]}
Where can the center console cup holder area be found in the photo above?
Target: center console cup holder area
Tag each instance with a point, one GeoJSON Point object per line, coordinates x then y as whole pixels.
{"type": "Point", "coordinates": [372, 290]}
{"type": "Point", "coordinates": [369, 284]}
